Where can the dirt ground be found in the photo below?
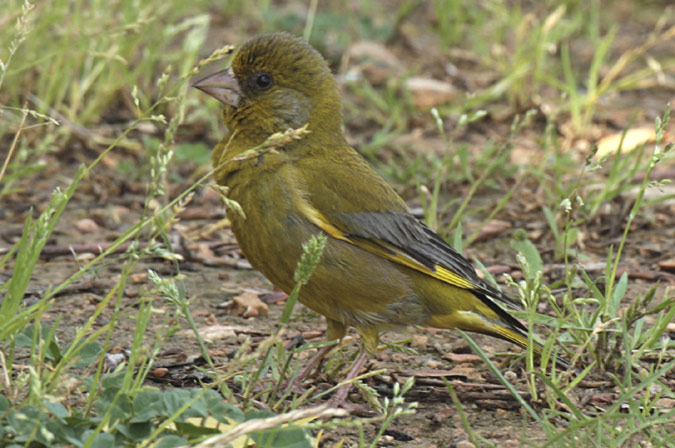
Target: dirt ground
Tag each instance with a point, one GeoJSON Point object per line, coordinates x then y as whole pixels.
{"type": "Point", "coordinates": [215, 273]}
{"type": "Point", "coordinates": [109, 202]}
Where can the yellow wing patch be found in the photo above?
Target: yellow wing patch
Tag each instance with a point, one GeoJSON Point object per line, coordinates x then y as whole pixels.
{"type": "Point", "coordinates": [383, 249]}
{"type": "Point", "coordinates": [317, 218]}
{"type": "Point", "coordinates": [454, 279]}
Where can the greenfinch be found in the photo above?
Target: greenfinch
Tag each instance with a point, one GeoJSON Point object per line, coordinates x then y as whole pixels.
{"type": "Point", "coordinates": [381, 267]}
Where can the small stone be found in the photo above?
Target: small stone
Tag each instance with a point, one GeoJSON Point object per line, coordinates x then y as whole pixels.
{"type": "Point", "coordinates": [432, 364]}
{"type": "Point", "coordinates": [159, 372]}
{"type": "Point", "coordinates": [85, 257]}
{"type": "Point", "coordinates": [510, 376]}
{"type": "Point", "coordinates": [86, 225]}
{"type": "Point", "coordinates": [140, 277]}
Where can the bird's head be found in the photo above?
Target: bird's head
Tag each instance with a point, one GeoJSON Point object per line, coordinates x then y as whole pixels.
{"type": "Point", "coordinates": [276, 82]}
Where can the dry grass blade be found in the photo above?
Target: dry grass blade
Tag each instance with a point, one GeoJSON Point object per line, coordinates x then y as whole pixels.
{"type": "Point", "coordinates": [262, 424]}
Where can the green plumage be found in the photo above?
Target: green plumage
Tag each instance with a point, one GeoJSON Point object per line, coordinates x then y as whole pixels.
{"type": "Point", "coordinates": [381, 267]}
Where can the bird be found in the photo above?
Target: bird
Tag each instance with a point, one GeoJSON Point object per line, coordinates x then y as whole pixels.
{"type": "Point", "coordinates": [381, 268]}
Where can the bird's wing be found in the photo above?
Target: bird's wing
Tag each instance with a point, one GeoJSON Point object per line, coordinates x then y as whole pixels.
{"type": "Point", "coordinates": [381, 225]}
{"type": "Point", "coordinates": [403, 239]}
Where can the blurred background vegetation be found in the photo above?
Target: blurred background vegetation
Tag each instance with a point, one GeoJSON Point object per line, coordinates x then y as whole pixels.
{"type": "Point", "coordinates": [94, 67]}
{"type": "Point", "coordinates": [492, 118]}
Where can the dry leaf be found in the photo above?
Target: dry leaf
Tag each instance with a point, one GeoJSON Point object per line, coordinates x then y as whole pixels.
{"type": "Point", "coordinates": [248, 304]}
{"type": "Point", "coordinates": [204, 251]}
{"type": "Point", "coordinates": [243, 441]}
{"type": "Point", "coordinates": [419, 340]}
{"type": "Point", "coordinates": [498, 269]}
{"type": "Point", "coordinates": [665, 403]}
{"type": "Point", "coordinates": [634, 138]}
{"type": "Point", "coordinates": [427, 92]}
{"type": "Point", "coordinates": [492, 229]}
{"type": "Point", "coordinates": [472, 374]}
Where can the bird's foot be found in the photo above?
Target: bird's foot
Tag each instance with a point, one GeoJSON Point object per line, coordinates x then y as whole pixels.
{"type": "Point", "coordinates": [296, 386]}
{"type": "Point", "coordinates": [339, 400]}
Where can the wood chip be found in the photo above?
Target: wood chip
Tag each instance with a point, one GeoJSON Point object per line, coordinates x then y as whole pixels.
{"type": "Point", "coordinates": [212, 332]}
{"type": "Point", "coordinates": [461, 358]}
{"type": "Point", "coordinates": [667, 265]}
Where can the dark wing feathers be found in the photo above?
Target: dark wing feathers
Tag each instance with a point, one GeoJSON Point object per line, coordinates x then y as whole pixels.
{"type": "Point", "coordinates": [407, 234]}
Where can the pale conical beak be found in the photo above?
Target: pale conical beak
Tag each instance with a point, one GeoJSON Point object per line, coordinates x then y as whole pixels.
{"type": "Point", "coordinates": [222, 85]}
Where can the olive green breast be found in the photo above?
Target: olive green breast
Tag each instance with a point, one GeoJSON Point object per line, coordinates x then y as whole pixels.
{"type": "Point", "coordinates": [350, 285]}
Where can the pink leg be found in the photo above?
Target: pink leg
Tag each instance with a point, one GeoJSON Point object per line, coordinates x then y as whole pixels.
{"type": "Point", "coordinates": [296, 385]}
{"type": "Point", "coordinates": [335, 330]}
{"type": "Point", "coordinates": [313, 363]}
{"type": "Point", "coordinates": [340, 398]}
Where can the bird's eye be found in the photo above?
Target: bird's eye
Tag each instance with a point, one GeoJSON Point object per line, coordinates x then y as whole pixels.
{"type": "Point", "coordinates": [263, 80]}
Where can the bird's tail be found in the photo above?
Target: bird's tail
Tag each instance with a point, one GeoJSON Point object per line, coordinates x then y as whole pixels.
{"type": "Point", "coordinates": [484, 311]}
{"type": "Point", "coordinates": [518, 335]}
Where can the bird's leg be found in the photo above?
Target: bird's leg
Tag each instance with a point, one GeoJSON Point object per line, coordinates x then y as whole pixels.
{"type": "Point", "coordinates": [316, 359]}
{"type": "Point", "coordinates": [339, 400]}
{"type": "Point", "coordinates": [370, 339]}
{"type": "Point", "coordinates": [335, 330]}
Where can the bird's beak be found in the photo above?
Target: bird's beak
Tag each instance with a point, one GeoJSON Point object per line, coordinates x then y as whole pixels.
{"type": "Point", "coordinates": [222, 85]}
